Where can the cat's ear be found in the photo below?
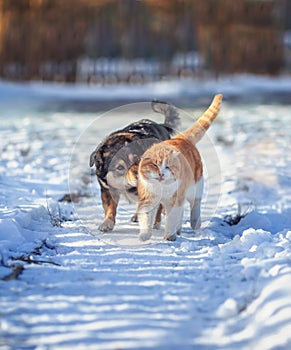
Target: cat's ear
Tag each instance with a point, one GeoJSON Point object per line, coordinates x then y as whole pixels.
{"type": "Point", "coordinates": [147, 156]}
{"type": "Point", "coordinates": [175, 154]}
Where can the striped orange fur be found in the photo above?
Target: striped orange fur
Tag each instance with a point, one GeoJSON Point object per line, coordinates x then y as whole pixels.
{"type": "Point", "coordinates": [195, 133]}
{"type": "Point", "coordinates": [170, 173]}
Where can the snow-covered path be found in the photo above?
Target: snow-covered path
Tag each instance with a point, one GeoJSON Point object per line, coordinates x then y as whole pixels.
{"type": "Point", "coordinates": [64, 286]}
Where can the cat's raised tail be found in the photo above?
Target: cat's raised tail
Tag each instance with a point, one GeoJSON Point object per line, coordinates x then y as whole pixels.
{"type": "Point", "coordinates": [195, 133]}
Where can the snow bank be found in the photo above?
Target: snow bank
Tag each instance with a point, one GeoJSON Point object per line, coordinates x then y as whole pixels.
{"type": "Point", "coordinates": [260, 320]}
{"type": "Point", "coordinates": [229, 85]}
{"type": "Point", "coordinates": [35, 154]}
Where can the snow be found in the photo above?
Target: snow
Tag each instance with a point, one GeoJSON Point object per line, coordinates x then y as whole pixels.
{"type": "Point", "coordinates": [242, 85]}
{"type": "Point", "coordinates": [63, 285]}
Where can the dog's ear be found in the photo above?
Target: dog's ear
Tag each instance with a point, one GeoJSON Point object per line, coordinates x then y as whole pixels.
{"type": "Point", "coordinates": [96, 159]}
{"type": "Point", "coordinates": [92, 158]}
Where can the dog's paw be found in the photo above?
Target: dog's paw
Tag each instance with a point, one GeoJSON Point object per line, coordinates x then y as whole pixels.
{"type": "Point", "coordinates": [157, 225]}
{"type": "Point", "coordinates": [134, 218]}
{"type": "Point", "coordinates": [106, 226]}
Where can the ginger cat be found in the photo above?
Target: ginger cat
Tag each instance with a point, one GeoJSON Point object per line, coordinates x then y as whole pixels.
{"type": "Point", "coordinates": [170, 173]}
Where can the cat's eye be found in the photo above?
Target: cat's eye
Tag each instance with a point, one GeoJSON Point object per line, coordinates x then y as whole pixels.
{"type": "Point", "coordinates": [155, 165]}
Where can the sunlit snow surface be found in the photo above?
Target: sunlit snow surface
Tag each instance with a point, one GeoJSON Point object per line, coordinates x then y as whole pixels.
{"type": "Point", "coordinates": [222, 287]}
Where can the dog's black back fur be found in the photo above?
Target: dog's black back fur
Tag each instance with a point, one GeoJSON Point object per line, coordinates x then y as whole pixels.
{"type": "Point", "coordinates": [144, 133]}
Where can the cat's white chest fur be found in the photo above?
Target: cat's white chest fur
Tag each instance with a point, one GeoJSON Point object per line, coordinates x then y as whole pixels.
{"type": "Point", "coordinates": [168, 190]}
{"type": "Point", "coordinates": [163, 189]}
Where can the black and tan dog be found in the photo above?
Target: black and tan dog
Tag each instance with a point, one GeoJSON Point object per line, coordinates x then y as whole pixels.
{"type": "Point", "coordinates": [123, 149]}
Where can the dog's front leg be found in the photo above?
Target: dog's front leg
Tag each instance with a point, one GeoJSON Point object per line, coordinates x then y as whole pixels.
{"type": "Point", "coordinates": [110, 201]}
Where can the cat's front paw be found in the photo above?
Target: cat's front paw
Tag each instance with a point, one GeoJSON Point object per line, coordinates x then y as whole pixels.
{"type": "Point", "coordinates": [170, 236]}
{"type": "Point", "coordinates": [196, 224]}
{"type": "Point", "coordinates": [106, 226]}
{"type": "Point", "coordinates": [145, 235]}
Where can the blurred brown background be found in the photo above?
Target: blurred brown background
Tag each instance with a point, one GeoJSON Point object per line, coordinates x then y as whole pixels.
{"type": "Point", "coordinates": [136, 41]}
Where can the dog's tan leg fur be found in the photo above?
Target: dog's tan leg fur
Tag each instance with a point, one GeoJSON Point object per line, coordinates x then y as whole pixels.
{"type": "Point", "coordinates": [110, 201]}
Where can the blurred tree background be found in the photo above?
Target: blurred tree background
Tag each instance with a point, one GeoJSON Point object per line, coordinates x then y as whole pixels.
{"type": "Point", "coordinates": [128, 40]}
